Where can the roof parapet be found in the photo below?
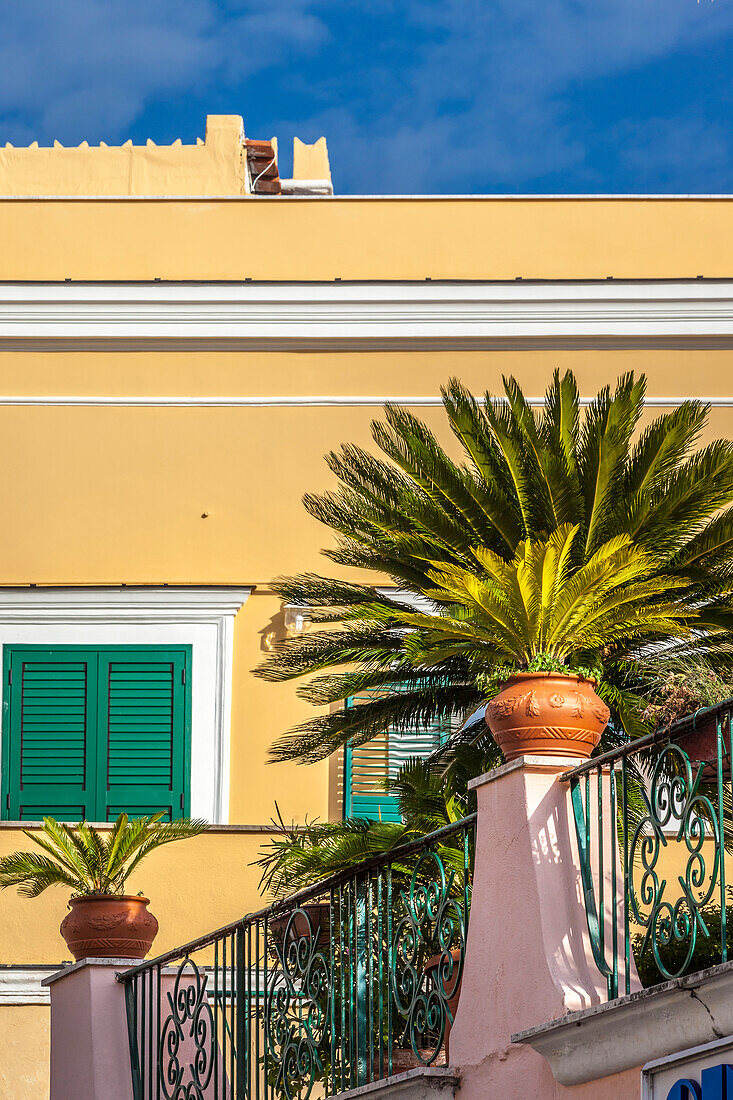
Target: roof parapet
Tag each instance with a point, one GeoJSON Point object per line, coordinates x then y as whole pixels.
{"type": "Point", "coordinates": [225, 163]}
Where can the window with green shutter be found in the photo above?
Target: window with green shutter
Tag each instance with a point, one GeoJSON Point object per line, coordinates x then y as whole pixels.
{"type": "Point", "coordinates": [368, 766]}
{"type": "Point", "coordinates": [91, 731]}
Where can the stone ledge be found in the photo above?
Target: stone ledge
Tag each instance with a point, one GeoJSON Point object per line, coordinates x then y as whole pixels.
{"type": "Point", "coordinates": [530, 763]}
{"type": "Point", "coordinates": [629, 1031]}
{"type": "Point", "coordinates": [23, 985]}
{"type": "Point", "coordinates": [120, 964]}
{"type": "Point", "coordinates": [421, 1083]}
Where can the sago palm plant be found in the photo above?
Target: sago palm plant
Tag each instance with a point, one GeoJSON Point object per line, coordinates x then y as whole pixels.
{"type": "Point", "coordinates": [523, 472]}
{"type": "Point", "coordinates": [427, 797]}
{"type": "Point", "coordinates": [502, 616]}
{"type": "Point", "coordinates": [86, 860]}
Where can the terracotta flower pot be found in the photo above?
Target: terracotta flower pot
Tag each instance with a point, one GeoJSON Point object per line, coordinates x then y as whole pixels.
{"type": "Point", "coordinates": [547, 713]}
{"type": "Point", "coordinates": [319, 914]}
{"type": "Point", "coordinates": [701, 746]}
{"type": "Point", "coordinates": [109, 926]}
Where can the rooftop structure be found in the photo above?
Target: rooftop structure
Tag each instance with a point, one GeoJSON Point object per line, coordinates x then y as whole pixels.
{"type": "Point", "coordinates": [225, 163]}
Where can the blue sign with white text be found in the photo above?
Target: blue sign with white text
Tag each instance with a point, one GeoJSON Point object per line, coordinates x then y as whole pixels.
{"type": "Point", "coordinates": [716, 1083]}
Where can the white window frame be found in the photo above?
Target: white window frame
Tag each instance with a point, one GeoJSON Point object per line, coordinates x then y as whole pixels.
{"type": "Point", "coordinates": [200, 617]}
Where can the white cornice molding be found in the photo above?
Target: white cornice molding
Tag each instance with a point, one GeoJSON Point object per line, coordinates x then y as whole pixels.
{"type": "Point", "coordinates": [336, 315]}
{"type": "Point", "coordinates": [21, 985]}
{"type": "Point", "coordinates": [157, 604]}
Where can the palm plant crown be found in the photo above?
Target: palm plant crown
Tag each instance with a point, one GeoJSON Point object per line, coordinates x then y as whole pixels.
{"type": "Point", "coordinates": [86, 860]}
{"type": "Point", "coordinates": [508, 613]}
{"type": "Point", "coordinates": [430, 523]}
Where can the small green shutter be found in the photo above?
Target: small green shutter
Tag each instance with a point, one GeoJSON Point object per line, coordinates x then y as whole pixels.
{"type": "Point", "coordinates": [144, 731]}
{"type": "Point", "coordinates": [49, 751]}
{"type": "Point", "coordinates": [92, 732]}
{"type": "Point", "coordinates": [368, 766]}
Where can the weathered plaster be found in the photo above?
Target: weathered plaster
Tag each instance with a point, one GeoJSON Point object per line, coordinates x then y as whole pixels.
{"type": "Point", "coordinates": [646, 1025]}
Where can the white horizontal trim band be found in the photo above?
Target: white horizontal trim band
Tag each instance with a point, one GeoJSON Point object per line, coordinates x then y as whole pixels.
{"type": "Point", "coordinates": [361, 315]}
{"type": "Point", "coordinates": [305, 402]}
{"type": "Point", "coordinates": [155, 603]}
{"type": "Point", "coordinates": [22, 985]}
{"type": "Point", "coordinates": [458, 197]}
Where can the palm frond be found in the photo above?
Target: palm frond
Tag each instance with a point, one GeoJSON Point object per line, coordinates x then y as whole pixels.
{"type": "Point", "coordinates": [82, 859]}
{"type": "Point", "coordinates": [429, 519]}
{"type": "Point", "coordinates": [33, 873]}
{"type": "Point", "coordinates": [319, 737]}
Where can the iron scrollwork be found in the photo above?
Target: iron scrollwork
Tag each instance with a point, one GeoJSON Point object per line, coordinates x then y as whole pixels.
{"type": "Point", "coordinates": [675, 800]}
{"type": "Point", "coordinates": [297, 1008]}
{"type": "Point", "coordinates": [427, 956]}
{"type": "Point", "coordinates": [187, 1037]}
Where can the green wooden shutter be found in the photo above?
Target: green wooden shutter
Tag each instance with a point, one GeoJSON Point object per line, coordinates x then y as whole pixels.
{"type": "Point", "coordinates": [50, 698]}
{"type": "Point", "coordinates": [91, 732]}
{"type": "Point", "coordinates": [143, 723]}
{"type": "Point", "coordinates": [368, 766]}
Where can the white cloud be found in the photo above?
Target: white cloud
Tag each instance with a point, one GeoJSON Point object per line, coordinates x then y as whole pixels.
{"type": "Point", "coordinates": [485, 98]}
{"type": "Point", "coordinates": [436, 95]}
{"type": "Point", "coordinates": [86, 69]}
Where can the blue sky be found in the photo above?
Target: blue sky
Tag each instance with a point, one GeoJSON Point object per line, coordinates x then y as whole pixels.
{"type": "Point", "coordinates": [421, 96]}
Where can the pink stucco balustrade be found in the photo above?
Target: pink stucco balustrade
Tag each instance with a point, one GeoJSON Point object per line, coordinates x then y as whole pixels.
{"type": "Point", "coordinates": [528, 955]}
{"type": "Point", "coordinates": [90, 1053]}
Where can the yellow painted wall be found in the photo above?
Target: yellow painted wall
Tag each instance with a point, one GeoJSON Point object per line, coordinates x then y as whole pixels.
{"type": "Point", "coordinates": [142, 477]}
{"type": "Point", "coordinates": [25, 1049]}
{"type": "Point", "coordinates": [216, 166]}
{"type": "Point", "coordinates": [115, 494]}
{"type": "Point", "coordinates": [383, 238]}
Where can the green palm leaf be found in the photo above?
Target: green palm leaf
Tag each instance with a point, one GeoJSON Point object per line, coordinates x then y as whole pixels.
{"type": "Point", "coordinates": [87, 861]}
{"type": "Point", "coordinates": [33, 873]}
{"type": "Point", "coordinates": [425, 518]}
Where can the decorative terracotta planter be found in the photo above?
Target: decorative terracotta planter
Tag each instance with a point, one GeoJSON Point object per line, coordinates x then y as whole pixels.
{"type": "Point", "coordinates": [547, 713]}
{"type": "Point", "coordinates": [701, 746]}
{"type": "Point", "coordinates": [319, 914]}
{"type": "Point", "coordinates": [109, 926]}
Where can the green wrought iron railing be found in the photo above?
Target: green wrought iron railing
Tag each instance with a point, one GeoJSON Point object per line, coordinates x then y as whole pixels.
{"type": "Point", "coordinates": [653, 821]}
{"type": "Point", "coordinates": [346, 982]}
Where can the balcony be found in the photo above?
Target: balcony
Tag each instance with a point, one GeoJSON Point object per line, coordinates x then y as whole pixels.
{"type": "Point", "coordinates": [345, 984]}
{"type": "Point", "coordinates": [595, 958]}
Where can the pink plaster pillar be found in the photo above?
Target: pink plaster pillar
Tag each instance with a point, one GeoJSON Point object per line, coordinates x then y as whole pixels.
{"type": "Point", "coordinates": [528, 956]}
{"type": "Point", "coordinates": [90, 1056]}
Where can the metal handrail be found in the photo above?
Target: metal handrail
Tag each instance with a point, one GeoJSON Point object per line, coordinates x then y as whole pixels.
{"type": "Point", "coordinates": [676, 729]}
{"type": "Point", "coordinates": [648, 918]}
{"type": "Point", "coordinates": [284, 905]}
{"type": "Point", "coordinates": [331, 986]}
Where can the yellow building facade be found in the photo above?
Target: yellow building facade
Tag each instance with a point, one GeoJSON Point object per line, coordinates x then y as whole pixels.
{"type": "Point", "coordinates": [178, 350]}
